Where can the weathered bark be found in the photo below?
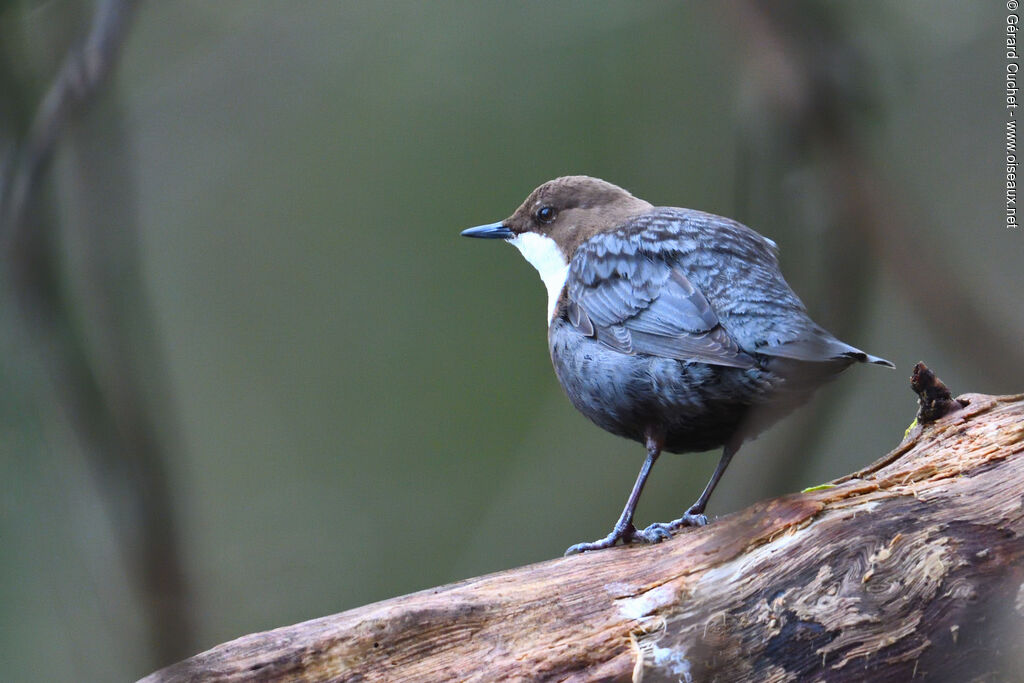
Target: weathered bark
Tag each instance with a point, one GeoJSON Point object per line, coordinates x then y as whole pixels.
{"type": "Point", "coordinates": [909, 568]}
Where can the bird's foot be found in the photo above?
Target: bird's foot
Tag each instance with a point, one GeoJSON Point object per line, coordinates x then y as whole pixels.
{"type": "Point", "coordinates": [660, 531]}
{"type": "Point", "coordinates": [654, 533]}
{"type": "Point", "coordinates": [626, 534]}
{"type": "Point", "coordinates": [690, 518]}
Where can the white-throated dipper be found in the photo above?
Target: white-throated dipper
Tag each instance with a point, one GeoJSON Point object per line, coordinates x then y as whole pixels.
{"type": "Point", "coordinates": [671, 327]}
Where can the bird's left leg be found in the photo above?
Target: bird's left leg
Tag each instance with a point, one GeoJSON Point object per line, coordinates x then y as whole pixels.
{"type": "Point", "coordinates": [695, 515]}
{"type": "Point", "coordinates": [624, 528]}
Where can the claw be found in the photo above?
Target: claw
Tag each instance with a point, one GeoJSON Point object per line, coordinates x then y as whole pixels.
{"type": "Point", "coordinates": [655, 533]}
{"type": "Point", "coordinates": [625, 534]}
{"type": "Point", "coordinates": [689, 518]}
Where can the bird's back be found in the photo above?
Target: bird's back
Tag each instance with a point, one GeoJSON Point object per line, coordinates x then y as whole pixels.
{"type": "Point", "coordinates": [737, 270]}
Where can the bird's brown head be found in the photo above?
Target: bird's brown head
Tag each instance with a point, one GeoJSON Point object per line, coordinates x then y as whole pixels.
{"type": "Point", "coordinates": [559, 216]}
{"type": "Point", "coordinates": [573, 208]}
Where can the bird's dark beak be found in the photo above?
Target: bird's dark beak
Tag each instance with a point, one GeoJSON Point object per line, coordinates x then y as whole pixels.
{"type": "Point", "coordinates": [491, 231]}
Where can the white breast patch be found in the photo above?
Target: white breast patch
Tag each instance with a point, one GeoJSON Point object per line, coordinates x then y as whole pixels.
{"type": "Point", "coordinates": [544, 254]}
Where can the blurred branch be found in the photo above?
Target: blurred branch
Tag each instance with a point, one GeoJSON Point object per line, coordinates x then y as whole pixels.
{"type": "Point", "coordinates": [80, 77]}
{"type": "Point", "coordinates": [93, 381]}
{"type": "Point", "coordinates": [906, 568]}
{"type": "Point", "coordinates": [816, 83]}
{"type": "Point", "coordinates": [806, 85]}
{"type": "Point", "coordinates": [811, 88]}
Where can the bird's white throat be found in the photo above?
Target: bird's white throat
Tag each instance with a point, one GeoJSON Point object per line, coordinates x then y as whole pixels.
{"type": "Point", "coordinates": [545, 255]}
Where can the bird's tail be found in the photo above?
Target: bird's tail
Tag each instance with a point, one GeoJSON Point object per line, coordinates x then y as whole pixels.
{"type": "Point", "coordinates": [875, 360]}
{"type": "Point", "coordinates": [861, 357]}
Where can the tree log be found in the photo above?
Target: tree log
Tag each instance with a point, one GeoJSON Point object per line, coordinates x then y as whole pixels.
{"type": "Point", "coordinates": [912, 567]}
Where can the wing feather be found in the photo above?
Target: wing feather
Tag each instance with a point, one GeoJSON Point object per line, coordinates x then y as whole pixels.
{"type": "Point", "coordinates": [636, 301]}
{"type": "Point", "coordinates": [690, 285]}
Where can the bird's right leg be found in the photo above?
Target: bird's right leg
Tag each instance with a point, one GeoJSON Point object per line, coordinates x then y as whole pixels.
{"type": "Point", "coordinates": [695, 515]}
{"type": "Point", "coordinates": [624, 528]}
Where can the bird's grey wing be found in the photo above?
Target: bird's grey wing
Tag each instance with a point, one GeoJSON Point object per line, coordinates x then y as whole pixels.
{"type": "Point", "coordinates": [737, 269]}
{"type": "Point", "coordinates": [633, 299]}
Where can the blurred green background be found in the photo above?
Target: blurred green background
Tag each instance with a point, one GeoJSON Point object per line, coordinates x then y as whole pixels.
{"type": "Point", "coordinates": [250, 374]}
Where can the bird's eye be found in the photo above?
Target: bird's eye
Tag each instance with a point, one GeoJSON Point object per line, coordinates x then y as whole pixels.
{"type": "Point", "coordinates": [546, 214]}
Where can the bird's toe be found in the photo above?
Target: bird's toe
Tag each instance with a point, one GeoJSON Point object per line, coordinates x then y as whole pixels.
{"type": "Point", "coordinates": [608, 541]}
{"type": "Point", "coordinates": [689, 518]}
{"type": "Point", "coordinates": [655, 533]}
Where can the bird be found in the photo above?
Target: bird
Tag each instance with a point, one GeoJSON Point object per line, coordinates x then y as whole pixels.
{"type": "Point", "coordinates": [667, 326]}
